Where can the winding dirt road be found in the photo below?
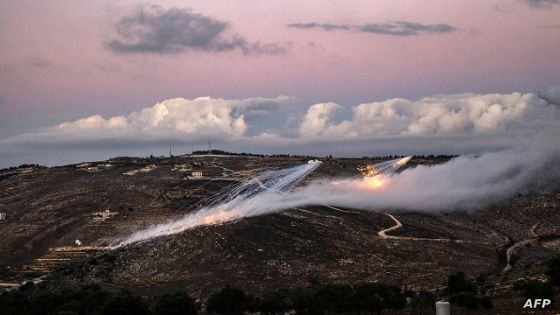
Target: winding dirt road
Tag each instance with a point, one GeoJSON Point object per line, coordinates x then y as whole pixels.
{"type": "Point", "coordinates": [511, 250]}
{"type": "Point", "coordinates": [383, 233]}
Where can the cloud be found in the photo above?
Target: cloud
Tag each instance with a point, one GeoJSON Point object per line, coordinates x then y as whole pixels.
{"type": "Point", "coordinates": [398, 28]}
{"type": "Point", "coordinates": [437, 115]}
{"type": "Point", "coordinates": [317, 119]}
{"type": "Point", "coordinates": [504, 7]}
{"type": "Point", "coordinates": [152, 29]}
{"type": "Point", "coordinates": [201, 116]}
{"type": "Point", "coordinates": [542, 4]}
{"type": "Point", "coordinates": [324, 26]}
{"type": "Point", "coordinates": [551, 95]}
{"type": "Point", "coordinates": [440, 124]}
{"type": "Point", "coordinates": [39, 62]}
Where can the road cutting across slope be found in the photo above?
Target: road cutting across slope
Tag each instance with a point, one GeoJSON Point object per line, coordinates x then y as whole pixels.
{"type": "Point", "coordinates": [383, 233]}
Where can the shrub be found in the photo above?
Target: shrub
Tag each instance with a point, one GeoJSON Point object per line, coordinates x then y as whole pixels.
{"type": "Point", "coordinates": [423, 300]}
{"type": "Point", "coordinates": [553, 271]}
{"type": "Point", "coordinates": [456, 283]}
{"type": "Point", "coordinates": [471, 301]}
{"type": "Point", "coordinates": [229, 301]}
{"type": "Point", "coordinates": [176, 304]}
{"type": "Point", "coordinates": [125, 303]}
{"type": "Point", "coordinates": [538, 290]}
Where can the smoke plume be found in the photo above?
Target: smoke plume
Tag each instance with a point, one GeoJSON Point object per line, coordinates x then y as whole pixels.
{"type": "Point", "coordinates": [464, 183]}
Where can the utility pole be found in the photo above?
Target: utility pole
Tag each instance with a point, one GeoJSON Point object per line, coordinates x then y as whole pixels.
{"type": "Point", "coordinates": [209, 146]}
{"type": "Point", "coordinates": [170, 154]}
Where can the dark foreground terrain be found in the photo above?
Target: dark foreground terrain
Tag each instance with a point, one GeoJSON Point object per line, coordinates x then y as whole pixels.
{"type": "Point", "coordinates": [60, 221]}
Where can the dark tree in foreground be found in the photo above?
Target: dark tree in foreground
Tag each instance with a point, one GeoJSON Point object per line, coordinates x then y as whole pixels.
{"type": "Point", "coordinates": [538, 290]}
{"type": "Point", "coordinates": [463, 292]}
{"type": "Point", "coordinates": [330, 299]}
{"type": "Point", "coordinates": [176, 304]}
{"type": "Point", "coordinates": [553, 271]}
{"type": "Point", "coordinates": [457, 283]}
{"type": "Point", "coordinates": [229, 301]}
{"type": "Point", "coordinates": [471, 301]}
{"type": "Point", "coordinates": [365, 298]}
{"type": "Point", "coordinates": [126, 304]}
{"type": "Point", "coordinates": [275, 302]}
{"type": "Point", "coordinates": [423, 300]}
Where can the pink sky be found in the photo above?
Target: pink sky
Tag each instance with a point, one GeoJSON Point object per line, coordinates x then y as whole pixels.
{"type": "Point", "coordinates": [54, 66]}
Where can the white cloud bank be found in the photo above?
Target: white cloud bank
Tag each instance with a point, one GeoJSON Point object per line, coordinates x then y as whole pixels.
{"type": "Point", "coordinates": [438, 124]}
{"type": "Point", "coordinates": [201, 116]}
{"type": "Point", "coordinates": [437, 115]}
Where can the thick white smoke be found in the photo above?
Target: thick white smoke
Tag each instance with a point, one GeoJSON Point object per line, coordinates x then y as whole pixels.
{"type": "Point", "coordinates": [235, 203]}
{"type": "Point", "coordinates": [465, 183]}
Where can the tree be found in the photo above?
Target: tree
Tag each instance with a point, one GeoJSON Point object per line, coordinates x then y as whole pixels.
{"type": "Point", "coordinates": [45, 303]}
{"type": "Point", "coordinates": [465, 299]}
{"type": "Point", "coordinates": [176, 304]}
{"type": "Point", "coordinates": [423, 300]}
{"type": "Point", "coordinates": [229, 301]}
{"type": "Point", "coordinates": [553, 271]}
{"type": "Point", "coordinates": [274, 302]}
{"type": "Point", "coordinates": [365, 298]}
{"type": "Point", "coordinates": [456, 283]}
{"type": "Point", "coordinates": [331, 299]}
{"type": "Point", "coordinates": [393, 297]}
{"type": "Point", "coordinates": [125, 303]}
{"type": "Point", "coordinates": [535, 289]}
{"type": "Point", "coordinates": [485, 302]}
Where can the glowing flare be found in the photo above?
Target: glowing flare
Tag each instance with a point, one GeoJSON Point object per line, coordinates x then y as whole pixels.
{"type": "Point", "coordinates": [375, 176]}
{"type": "Point", "coordinates": [219, 217]}
{"type": "Point", "coordinates": [373, 182]}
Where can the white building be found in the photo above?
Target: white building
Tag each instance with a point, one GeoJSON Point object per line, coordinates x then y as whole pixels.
{"type": "Point", "coordinates": [103, 215]}
{"type": "Point", "coordinates": [196, 174]}
{"type": "Point", "coordinates": [148, 168]}
{"type": "Point", "coordinates": [104, 166]}
{"type": "Point", "coordinates": [2, 216]}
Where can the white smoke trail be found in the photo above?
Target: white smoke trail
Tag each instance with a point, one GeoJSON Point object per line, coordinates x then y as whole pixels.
{"type": "Point", "coordinates": [241, 201]}
{"type": "Point", "coordinates": [466, 183]}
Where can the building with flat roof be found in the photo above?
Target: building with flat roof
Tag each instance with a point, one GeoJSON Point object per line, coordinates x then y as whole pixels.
{"type": "Point", "coordinates": [196, 174]}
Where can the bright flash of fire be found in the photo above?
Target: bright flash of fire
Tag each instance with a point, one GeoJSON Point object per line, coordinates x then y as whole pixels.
{"type": "Point", "coordinates": [219, 217]}
{"type": "Point", "coordinates": [373, 175]}
{"type": "Point", "coordinates": [373, 182]}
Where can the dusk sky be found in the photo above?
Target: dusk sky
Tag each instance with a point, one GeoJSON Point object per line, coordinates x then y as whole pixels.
{"type": "Point", "coordinates": [264, 66]}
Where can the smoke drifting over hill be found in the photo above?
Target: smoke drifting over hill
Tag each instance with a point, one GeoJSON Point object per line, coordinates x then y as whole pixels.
{"type": "Point", "coordinates": [465, 183]}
